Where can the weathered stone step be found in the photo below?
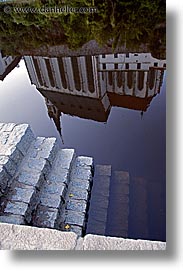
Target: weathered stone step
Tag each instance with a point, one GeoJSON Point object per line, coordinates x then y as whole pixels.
{"type": "Point", "coordinates": [14, 143]}
{"type": "Point", "coordinates": [53, 192]}
{"type": "Point", "coordinates": [23, 193]}
{"type": "Point", "coordinates": [74, 218]}
{"type": "Point", "coordinates": [118, 214]}
{"type": "Point", "coordinates": [138, 227]}
{"type": "Point", "coordinates": [97, 214]}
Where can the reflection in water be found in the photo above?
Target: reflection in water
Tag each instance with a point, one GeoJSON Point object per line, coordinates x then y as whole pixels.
{"type": "Point", "coordinates": [88, 86]}
{"type": "Point", "coordinates": [83, 66]}
{"type": "Point", "coordinates": [7, 64]}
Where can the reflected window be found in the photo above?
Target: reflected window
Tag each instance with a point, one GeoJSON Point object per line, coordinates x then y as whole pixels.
{"type": "Point", "coordinates": [76, 73]}
{"type": "Point", "coordinates": [140, 80]}
{"type": "Point", "coordinates": [110, 78]}
{"type": "Point", "coordinates": [127, 66]}
{"type": "Point", "coordinates": [104, 66]}
{"type": "Point", "coordinates": [89, 70]}
{"type": "Point", "coordinates": [50, 72]}
{"type": "Point", "coordinates": [151, 78]}
{"type": "Point", "coordinates": [119, 79]}
{"type": "Point", "coordinates": [130, 79]}
{"type": "Point", "coordinates": [62, 72]}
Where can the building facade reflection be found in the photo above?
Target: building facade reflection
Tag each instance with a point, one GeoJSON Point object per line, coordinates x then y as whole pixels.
{"type": "Point", "coordinates": [88, 86]}
{"type": "Point", "coordinates": [7, 64]}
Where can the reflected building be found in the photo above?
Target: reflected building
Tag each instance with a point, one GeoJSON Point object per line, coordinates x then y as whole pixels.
{"type": "Point", "coordinates": [88, 86]}
{"type": "Point", "coordinates": [7, 64]}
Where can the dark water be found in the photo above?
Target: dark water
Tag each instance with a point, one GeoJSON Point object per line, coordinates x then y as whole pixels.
{"type": "Point", "coordinates": [129, 140]}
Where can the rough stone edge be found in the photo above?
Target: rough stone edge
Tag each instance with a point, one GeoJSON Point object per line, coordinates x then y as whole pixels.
{"type": "Point", "coordinates": [21, 237]}
{"type": "Point", "coordinates": [96, 242]}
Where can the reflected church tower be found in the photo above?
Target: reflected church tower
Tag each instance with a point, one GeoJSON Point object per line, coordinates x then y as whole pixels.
{"type": "Point", "coordinates": [54, 114]}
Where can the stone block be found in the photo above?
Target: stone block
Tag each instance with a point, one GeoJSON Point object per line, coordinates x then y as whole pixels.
{"type": "Point", "coordinates": [48, 149]}
{"type": "Point", "coordinates": [84, 162]}
{"type": "Point", "coordinates": [101, 202]}
{"type": "Point", "coordinates": [78, 194]}
{"type": "Point", "coordinates": [21, 194]}
{"type": "Point", "coordinates": [33, 179]}
{"type": "Point", "coordinates": [16, 142]}
{"type": "Point", "coordinates": [51, 200]}
{"type": "Point", "coordinates": [103, 170]}
{"type": "Point", "coordinates": [101, 183]}
{"type": "Point", "coordinates": [45, 216]}
{"type": "Point", "coordinates": [8, 164]}
{"type": "Point", "coordinates": [124, 190]}
{"type": "Point", "coordinates": [34, 164]}
{"type": "Point", "coordinates": [96, 227]}
{"type": "Point", "coordinates": [123, 199]}
{"type": "Point", "coordinates": [4, 138]}
{"type": "Point", "coordinates": [75, 218]}
{"type": "Point", "coordinates": [122, 177]}
{"type": "Point", "coordinates": [13, 219]}
{"type": "Point", "coordinates": [80, 184]}
{"type": "Point", "coordinates": [20, 237]}
{"type": "Point", "coordinates": [59, 177]}
{"type": "Point", "coordinates": [158, 245]}
{"type": "Point", "coordinates": [73, 228]}
{"type": "Point", "coordinates": [1, 126]}
{"type": "Point", "coordinates": [21, 137]}
{"type": "Point", "coordinates": [4, 178]}
{"type": "Point", "coordinates": [101, 187]}
{"type": "Point", "coordinates": [37, 143]}
{"type": "Point", "coordinates": [93, 242]}
{"type": "Point", "coordinates": [54, 188]}
{"type": "Point", "coordinates": [64, 159]}
{"type": "Point", "coordinates": [97, 214]}
{"type": "Point", "coordinates": [75, 205]}
{"type": "Point", "coordinates": [16, 208]}
{"type": "Point", "coordinates": [81, 173]}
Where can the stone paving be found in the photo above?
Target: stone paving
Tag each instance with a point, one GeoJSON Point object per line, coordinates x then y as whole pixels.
{"type": "Point", "coordinates": [40, 184]}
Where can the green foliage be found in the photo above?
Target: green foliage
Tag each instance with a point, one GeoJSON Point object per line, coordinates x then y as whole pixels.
{"type": "Point", "coordinates": [125, 22]}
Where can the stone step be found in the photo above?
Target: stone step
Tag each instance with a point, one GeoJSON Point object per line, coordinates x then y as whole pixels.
{"type": "Point", "coordinates": [118, 214]}
{"type": "Point", "coordinates": [97, 214]}
{"type": "Point", "coordinates": [23, 193]}
{"type": "Point", "coordinates": [138, 208]}
{"type": "Point", "coordinates": [14, 143]}
{"type": "Point", "coordinates": [54, 189]}
{"type": "Point", "coordinates": [74, 217]}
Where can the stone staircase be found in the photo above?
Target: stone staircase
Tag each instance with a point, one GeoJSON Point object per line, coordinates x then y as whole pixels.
{"type": "Point", "coordinates": [40, 184]}
{"type": "Point", "coordinates": [118, 204]}
{"type": "Point", "coordinates": [44, 186]}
